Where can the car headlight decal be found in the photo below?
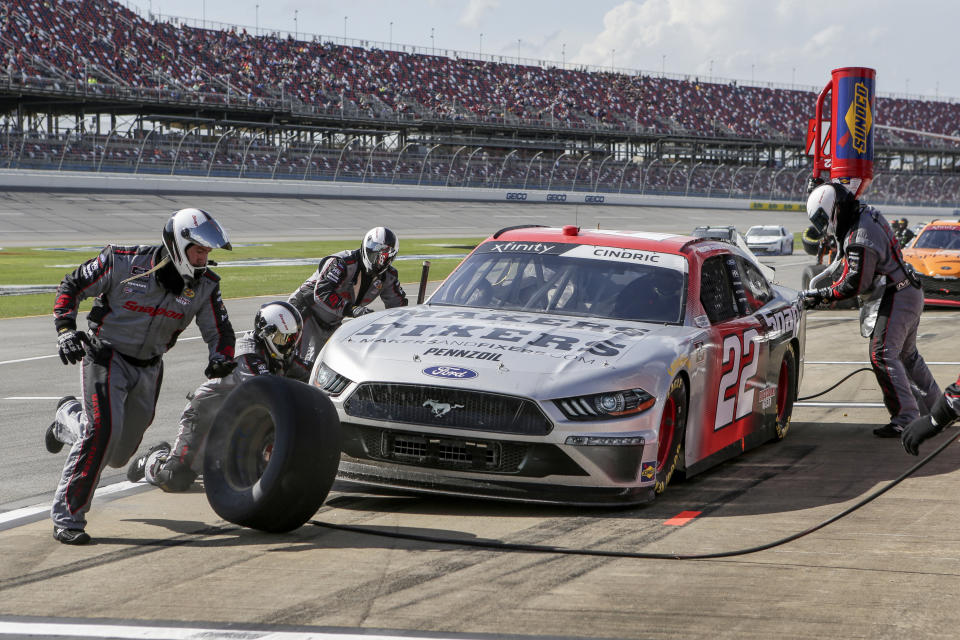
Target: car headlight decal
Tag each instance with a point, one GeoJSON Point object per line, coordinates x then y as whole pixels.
{"type": "Point", "coordinates": [604, 406]}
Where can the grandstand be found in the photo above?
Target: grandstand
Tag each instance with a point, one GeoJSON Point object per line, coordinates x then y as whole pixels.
{"type": "Point", "coordinates": [89, 85]}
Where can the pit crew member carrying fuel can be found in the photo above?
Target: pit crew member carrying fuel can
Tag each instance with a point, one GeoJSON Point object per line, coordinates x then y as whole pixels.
{"type": "Point", "coordinates": [344, 284]}
{"type": "Point", "coordinates": [270, 349]}
{"type": "Point", "coordinates": [145, 297]}
{"type": "Point", "coordinates": [871, 264]}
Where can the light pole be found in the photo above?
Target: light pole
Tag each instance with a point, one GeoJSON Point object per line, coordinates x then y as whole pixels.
{"type": "Point", "coordinates": [481, 44]}
{"type": "Point", "coordinates": [613, 59]}
{"type": "Point", "coordinates": [391, 35]}
{"type": "Point", "coordinates": [751, 73]}
{"type": "Point", "coordinates": [518, 50]}
{"type": "Point", "coordinates": [344, 30]}
{"type": "Point", "coordinates": [204, 14]}
{"type": "Point", "coordinates": [563, 55]}
{"type": "Point", "coordinates": [295, 30]}
{"type": "Point", "coordinates": [257, 19]}
{"type": "Point", "coordinates": [663, 65]}
{"type": "Point", "coordinates": [433, 49]}
{"type": "Point", "coordinates": [711, 69]}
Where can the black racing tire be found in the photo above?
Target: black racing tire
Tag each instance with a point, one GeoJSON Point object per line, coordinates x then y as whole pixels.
{"type": "Point", "coordinates": [786, 394]}
{"type": "Point", "coordinates": [673, 428]}
{"type": "Point", "coordinates": [810, 272]}
{"type": "Point", "coordinates": [272, 454]}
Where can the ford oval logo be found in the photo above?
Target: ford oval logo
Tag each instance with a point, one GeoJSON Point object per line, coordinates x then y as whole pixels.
{"type": "Point", "coordinates": [458, 373]}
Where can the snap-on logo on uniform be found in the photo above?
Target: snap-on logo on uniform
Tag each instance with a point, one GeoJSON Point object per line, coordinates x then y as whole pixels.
{"type": "Point", "coordinates": [131, 305]}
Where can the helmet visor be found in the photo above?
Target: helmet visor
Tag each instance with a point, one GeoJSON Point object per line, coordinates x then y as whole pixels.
{"type": "Point", "coordinates": [209, 234]}
{"type": "Point", "coordinates": [284, 342]}
{"type": "Point", "coordinates": [379, 255]}
{"type": "Point", "coordinates": [820, 220]}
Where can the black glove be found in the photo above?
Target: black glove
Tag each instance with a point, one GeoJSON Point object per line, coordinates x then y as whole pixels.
{"type": "Point", "coordinates": [70, 345]}
{"type": "Point", "coordinates": [813, 183]}
{"type": "Point", "coordinates": [923, 428]}
{"type": "Point", "coordinates": [219, 366]}
{"type": "Point", "coordinates": [360, 311]}
{"type": "Point", "coordinates": [812, 297]}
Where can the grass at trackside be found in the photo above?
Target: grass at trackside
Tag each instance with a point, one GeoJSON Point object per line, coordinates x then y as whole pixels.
{"type": "Point", "coordinates": [38, 266]}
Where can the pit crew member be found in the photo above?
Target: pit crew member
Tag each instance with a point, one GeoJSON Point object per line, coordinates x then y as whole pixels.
{"type": "Point", "coordinates": [269, 349]}
{"type": "Point", "coordinates": [869, 249]}
{"type": "Point", "coordinates": [944, 412]}
{"type": "Point", "coordinates": [344, 284]}
{"type": "Point", "coordinates": [145, 297]}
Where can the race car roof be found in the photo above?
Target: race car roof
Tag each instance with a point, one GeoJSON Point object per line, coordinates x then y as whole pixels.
{"type": "Point", "coordinates": [643, 240]}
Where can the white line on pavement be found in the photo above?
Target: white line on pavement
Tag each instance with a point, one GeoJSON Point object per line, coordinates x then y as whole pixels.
{"type": "Point", "coordinates": [2, 362]}
{"type": "Point", "coordinates": [864, 405]}
{"type": "Point", "coordinates": [82, 630]}
{"type": "Point", "coordinates": [27, 512]}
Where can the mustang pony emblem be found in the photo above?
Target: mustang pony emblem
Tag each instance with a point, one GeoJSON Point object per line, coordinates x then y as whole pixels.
{"type": "Point", "coordinates": [441, 409]}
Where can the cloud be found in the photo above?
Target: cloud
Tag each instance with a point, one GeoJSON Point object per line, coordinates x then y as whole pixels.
{"type": "Point", "coordinates": [475, 10]}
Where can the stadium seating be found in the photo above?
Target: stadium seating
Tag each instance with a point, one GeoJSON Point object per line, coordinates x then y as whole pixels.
{"type": "Point", "coordinates": [104, 46]}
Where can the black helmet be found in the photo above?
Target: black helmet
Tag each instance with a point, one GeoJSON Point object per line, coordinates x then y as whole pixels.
{"type": "Point", "coordinates": [278, 327]}
{"type": "Point", "coordinates": [379, 248]}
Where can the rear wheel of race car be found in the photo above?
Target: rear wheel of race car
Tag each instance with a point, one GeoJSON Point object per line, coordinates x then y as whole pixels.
{"type": "Point", "coordinates": [272, 454]}
{"type": "Point", "coordinates": [673, 425]}
{"type": "Point", "coordinates": [786, 394]}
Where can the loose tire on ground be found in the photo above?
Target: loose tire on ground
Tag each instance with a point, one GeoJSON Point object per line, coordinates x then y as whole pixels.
{"type": "Point", "coordinates": [673, 427]}
{"type": "Point", "coordinates": [272, 454]}
{"type": "Point", "coordinates": [786, 394]}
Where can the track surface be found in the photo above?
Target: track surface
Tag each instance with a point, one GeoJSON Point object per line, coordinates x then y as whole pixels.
{"type": "Point", "coordinates": [891, 569]}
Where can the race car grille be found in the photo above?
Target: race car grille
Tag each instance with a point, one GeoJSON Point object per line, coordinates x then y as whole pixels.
{"type": "Point", "coordinates": [442, 452]}
{"type": "Point", "coordinates": [447, 407]}
{"type": "Point", "coordinates": [944, 288]}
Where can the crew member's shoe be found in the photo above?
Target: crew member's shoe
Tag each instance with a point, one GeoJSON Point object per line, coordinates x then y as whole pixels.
{"type": "Point", "coordinates": [49, 437]}
{"type": "Point", "coordinates": [888, 431]}
{"type": "Point", "coordinates": [70, 536]}
{"type": "Point", "coordinates": [138, 466]}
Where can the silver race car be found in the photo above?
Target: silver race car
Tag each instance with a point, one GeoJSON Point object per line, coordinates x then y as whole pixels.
{"type": "Point", "coordinates": [560, 365]}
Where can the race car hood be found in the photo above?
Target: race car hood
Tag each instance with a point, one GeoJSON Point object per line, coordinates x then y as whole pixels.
{"type": "Point", "coordinates": [934, 262]}
{"type": "Point", "coordinates": [533, 354]}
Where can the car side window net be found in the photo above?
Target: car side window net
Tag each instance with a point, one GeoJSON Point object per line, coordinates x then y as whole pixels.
{"type": "Point", "coordinates": [716, 291]}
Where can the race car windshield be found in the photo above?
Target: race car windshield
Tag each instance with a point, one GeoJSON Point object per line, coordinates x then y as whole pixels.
{"type": "Point", "coordinates": [764, 232]}
{"type": "Point", "coordinates": [570, 282]}
{"type": "Point", "coordinates": [944, 238]}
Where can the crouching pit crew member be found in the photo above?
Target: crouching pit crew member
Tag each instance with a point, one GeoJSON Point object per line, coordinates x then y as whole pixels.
{"type": "Point", "coordinates": [344, 284]}
{"type": "Point", "coordinates": [270, 349]}
{"type": "Point", "coordinates": [944, 412]}
{"type": "Point", "coordinates": [868, 250]}
{"type": "Point", "coordinates": [145, 297]}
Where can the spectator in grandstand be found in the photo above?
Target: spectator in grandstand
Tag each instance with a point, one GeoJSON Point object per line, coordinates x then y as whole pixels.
{"type": "Point", "coordinates": [344, 284]}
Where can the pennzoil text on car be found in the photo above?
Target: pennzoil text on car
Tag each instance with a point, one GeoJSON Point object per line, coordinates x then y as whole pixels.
{"type": "Point", "coordinates": [560, 365]}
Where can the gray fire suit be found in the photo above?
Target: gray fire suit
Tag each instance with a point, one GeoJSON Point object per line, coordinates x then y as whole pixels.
{"type": "Point", "coordinates": [338, 286]}
{"type": "Point", "coordinates": [132, 325]}
{"type": "Point", "coordinates": [870, 249]}
{"type": "Point", "coordinates": [185, 462]}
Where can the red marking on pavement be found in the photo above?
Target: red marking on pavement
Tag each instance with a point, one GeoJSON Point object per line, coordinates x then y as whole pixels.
{"type": "Point", "coordinates": [682, 518]}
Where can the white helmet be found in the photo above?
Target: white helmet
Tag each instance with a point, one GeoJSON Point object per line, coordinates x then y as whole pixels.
{"type": "Point", "coordinates": [822, 209]}
{"type": "Point", "coordinates": [278, 327]}
{"type": "Point", "coordinates": [379, 248]}
{"type": "Point", "coordinates": [192, 226]}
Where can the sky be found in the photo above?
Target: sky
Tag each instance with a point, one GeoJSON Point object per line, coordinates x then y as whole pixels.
{"type": "Point", "coordinates": [912, 45]}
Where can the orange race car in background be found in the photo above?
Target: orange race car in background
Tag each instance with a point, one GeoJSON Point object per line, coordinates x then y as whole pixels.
{"type": "Point", "coordinates": [935, 254]}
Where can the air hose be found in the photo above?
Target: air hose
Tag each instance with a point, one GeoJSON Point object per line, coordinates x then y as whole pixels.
{"type": "Point", "coordinates": [536, 548]}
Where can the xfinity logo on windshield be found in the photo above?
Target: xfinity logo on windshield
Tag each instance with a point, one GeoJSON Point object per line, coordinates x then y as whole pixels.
{"type": "Point", "coordinates": [458, 373]}
{"type": "Point", "coordinates": [534, 247]}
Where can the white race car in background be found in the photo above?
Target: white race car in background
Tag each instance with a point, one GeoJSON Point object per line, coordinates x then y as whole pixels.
{"type": "Point", "coordinates": [770, 239]}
